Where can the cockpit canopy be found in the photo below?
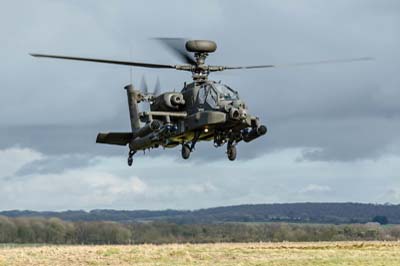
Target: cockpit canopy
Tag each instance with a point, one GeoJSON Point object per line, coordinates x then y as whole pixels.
{"type": "Point", "coordinates": [225, 92]}
{"type": "Point", "coordinates": [212, 93]}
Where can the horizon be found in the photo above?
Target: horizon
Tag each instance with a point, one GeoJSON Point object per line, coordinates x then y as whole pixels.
{"type": "Point", "coordinates": [211, 207]}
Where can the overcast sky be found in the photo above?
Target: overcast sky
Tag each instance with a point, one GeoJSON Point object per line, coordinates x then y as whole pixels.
{"type": "Point", "coordinates": [333, 129]}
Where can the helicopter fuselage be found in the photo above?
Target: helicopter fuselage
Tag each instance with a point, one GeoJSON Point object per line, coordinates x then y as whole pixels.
{"type": "Point", "coordinates": [202, 111]}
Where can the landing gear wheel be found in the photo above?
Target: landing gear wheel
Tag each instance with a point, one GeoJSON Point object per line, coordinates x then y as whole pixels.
{"type": "Point", "coordinates": [231, 152]}
{"type": "Point", "coordinates": [185, 151]}
{"type": "Point", "coordinates": [130, 161]}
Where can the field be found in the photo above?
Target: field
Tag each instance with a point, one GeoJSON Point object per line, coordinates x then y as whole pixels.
{"type": "Point", "coordinates": [272, 254]}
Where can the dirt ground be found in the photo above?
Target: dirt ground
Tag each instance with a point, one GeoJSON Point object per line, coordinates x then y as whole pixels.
{"type": "Point", "coordinates": [272, 254]}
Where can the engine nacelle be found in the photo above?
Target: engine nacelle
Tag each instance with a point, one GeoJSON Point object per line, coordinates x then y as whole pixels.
{"type": "Point", "coordinates": [169, 101]}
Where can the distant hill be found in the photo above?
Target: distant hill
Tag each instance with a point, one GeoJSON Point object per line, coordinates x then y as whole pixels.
{"type": "Point", "coordinates": [336, 213]}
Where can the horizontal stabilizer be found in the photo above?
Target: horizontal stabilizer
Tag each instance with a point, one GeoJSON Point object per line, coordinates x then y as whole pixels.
{"type": "Point", "coordinates": [114, 138]}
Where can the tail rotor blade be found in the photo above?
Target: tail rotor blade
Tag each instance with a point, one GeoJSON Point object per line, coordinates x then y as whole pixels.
{"type": "Point", "coordinates": [143, 85]}
{"type": "Point", "coordinates": [157, 87]}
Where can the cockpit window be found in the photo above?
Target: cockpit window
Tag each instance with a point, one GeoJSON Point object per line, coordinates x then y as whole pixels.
{"type": "Point", "coordinates": [207, 94]}
{"type": "Point", "coordinates": [225, 92]}
{"type": "Point", "coordinates": [202, 94]}
{"type": "Point", "coordinates": [212, 98]}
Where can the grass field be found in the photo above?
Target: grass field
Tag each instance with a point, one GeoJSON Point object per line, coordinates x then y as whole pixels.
{"type": "Point", "coordinates": [272, 254]}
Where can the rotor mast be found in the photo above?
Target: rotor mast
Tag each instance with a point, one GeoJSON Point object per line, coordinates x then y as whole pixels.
{"type": "Point", "coordinates": [201, 49]}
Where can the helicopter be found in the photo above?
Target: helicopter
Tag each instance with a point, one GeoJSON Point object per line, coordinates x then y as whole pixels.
{"type": "Point", "coordinates": [204, 110]}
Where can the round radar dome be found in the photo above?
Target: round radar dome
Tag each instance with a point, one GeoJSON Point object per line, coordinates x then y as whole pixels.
{"type": "Point", "coordinates": [201, 46]}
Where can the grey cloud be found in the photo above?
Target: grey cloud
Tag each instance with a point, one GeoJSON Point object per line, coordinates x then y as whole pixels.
{"type": "Point", "coordinates": [349, 111]}
{"type": "Point", "coordinates": [162, 182]}
{"type": "Point", "coordinates": [54, 164]}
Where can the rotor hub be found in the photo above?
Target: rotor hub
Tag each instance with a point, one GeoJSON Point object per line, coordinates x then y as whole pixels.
{"type": "Point", "coordinates": [201, 46]}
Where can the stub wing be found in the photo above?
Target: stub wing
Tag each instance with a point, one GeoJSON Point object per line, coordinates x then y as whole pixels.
{"type": "Point", "coordinates": [114, 138]}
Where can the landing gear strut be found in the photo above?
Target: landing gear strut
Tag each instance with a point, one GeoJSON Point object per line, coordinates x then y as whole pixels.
{"type": "Point", "coordinates": [194, 140]}
{"type": "Point", "coordinates": [231, 151]}
{"type": "Point", "coordinates": [130, 157]}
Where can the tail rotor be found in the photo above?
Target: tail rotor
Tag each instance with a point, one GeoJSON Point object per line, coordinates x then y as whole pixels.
{"type": "Point", "coordinates": [150, 95]}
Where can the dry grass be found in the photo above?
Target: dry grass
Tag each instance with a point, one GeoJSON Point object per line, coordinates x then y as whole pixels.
{"type": "Point", "coordinates": [272, 254]}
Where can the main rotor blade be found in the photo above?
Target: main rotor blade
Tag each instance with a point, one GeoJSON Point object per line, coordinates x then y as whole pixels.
{"type": "Point", "coordinates": [304, 63]}
{"type": "Point", "coordinates": [106, 61]}
{"type": "Point", "coordinates": [177, 46]}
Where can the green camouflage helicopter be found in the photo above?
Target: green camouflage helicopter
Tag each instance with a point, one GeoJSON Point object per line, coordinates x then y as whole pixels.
{"type": "Point", "coordinates": [204, 110]}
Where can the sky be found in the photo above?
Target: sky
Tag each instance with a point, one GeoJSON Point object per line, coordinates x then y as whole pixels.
{"type": "Point", "coordinates": [332, 129]}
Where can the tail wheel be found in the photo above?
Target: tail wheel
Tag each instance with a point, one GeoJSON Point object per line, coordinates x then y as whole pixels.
{"type": "Point", "coordinates": [231, 152]}
{"type": "Point", "coordinates": [185, 151]}
{"type": "Point", "coordinates": [130, 157]}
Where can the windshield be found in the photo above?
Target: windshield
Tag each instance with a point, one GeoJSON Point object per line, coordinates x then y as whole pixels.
{"type": "Point", "coordinates": [207, 94]}
{"type": "Point", "coordinates": [225, 92]}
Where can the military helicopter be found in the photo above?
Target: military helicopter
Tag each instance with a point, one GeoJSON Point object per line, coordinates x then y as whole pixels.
{"type": "Point", "coordinates": [204, 110]}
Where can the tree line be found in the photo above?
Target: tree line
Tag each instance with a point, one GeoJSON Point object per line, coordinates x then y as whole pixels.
{"type": "Point", "coordinates": [330, 213]}
{"type": "Point", "coordinates": [56, 231]}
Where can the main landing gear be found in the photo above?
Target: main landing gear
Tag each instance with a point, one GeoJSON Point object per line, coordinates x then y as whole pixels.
{"type": "Point", "coordinates": [186, 151]}
{"type": "Point", "coordinates": [231, 139]}
{"type": "Point", "coordinates": [130, 157]}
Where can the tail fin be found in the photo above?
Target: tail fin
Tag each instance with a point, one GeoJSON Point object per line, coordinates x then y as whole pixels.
{"type": "Point", "coordinates": [133, 97]}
